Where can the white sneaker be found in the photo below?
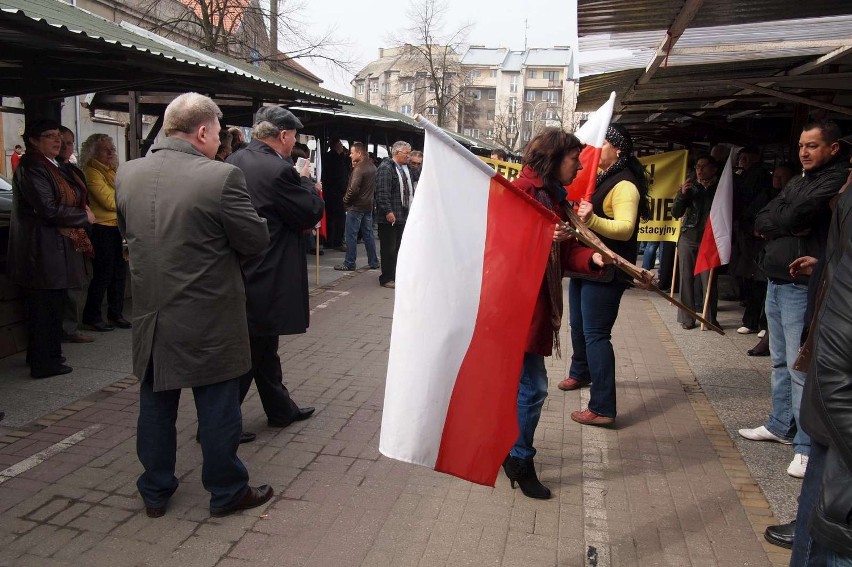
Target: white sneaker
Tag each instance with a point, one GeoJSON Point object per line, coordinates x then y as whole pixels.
{"type": "Point", "coordinates": [761, 334]}
{"type": "Point", "coordinates": [745, 331]}
{"type": "Point", "coordinates": [762, 434]}
{"type": "Point", "coordinates": [798, 466]}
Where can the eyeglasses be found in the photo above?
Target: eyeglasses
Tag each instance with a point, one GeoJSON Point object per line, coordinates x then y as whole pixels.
{"type": "Point", "coordinates": [56, 136]}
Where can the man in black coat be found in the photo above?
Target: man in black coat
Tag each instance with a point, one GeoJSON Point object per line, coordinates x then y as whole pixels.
{"type": "Point", "coordinates": [277, 280]}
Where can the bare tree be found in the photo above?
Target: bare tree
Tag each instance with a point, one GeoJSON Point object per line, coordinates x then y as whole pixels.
{"type": "Point", "coordinates": [245, 29]}
{"type": "Point", "coordinates": [506, 132]}
{"type": "Point", "coordinates": [433, 52]}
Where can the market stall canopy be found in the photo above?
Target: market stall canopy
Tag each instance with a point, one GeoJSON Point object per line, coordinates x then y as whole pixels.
{"type": "Point", "coordinates": [738, 71]}
{"type": "Point", "coordinates": [52, 50]}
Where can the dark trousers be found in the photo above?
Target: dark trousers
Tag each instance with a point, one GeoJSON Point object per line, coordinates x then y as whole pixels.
{"type": "Point", "coordinates": [390, 237]}
{"type": "Point", "coordinates": [44, 344]}
{"type": "Point", "coordinates": [335, 218]}
{"type": "Point", "coordinates": [593, 310]}
{"type": "Point", "coordinates": [108, 274]}
{"type": "Point", "coordinates": [693, 288]}
{"type": "Point", "coordinates": [266, 372]}
{"type": "Point", "coordinates": [755, 298]}
{"type": "Point", "coordinates": [220, 426]}
{"type": "Point", "coordinates": [667, 251]}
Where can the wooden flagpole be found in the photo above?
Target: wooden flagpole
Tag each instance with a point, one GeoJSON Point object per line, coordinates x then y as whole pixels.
{"type": "Point", "coordinates": [710, 283]}
{"type": "Point", "coordinates": [674, 273]}
{"type": "Point", "coordinates": [643, 278]}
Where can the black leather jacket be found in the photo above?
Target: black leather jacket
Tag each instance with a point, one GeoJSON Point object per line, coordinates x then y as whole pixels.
{"type": "Point", "coordinates": [826, 411]}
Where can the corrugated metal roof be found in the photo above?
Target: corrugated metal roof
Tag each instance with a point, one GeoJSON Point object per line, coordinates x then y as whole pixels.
{"type": "Point", "coordinates": [484, 56]}
{"type": "Point", "coordinates": [64, 18]}
{"type": "Point", "coordinates": [553, 57]}
{"type": "Point", "coordinates": [610, 16]}
{"type": "Point", "coordinates": [514, 61]}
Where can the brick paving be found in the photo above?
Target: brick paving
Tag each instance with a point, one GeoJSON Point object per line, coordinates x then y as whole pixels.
{"type": "Point", "coordinates": [665, 486]}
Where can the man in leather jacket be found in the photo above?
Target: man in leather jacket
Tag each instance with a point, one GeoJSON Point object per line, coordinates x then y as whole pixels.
{"type": "Point", "coordinates": [824, 521]}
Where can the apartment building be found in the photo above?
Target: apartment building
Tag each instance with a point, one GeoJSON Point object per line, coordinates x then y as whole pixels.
{"type": "Point", "coordinates": [509, 96]}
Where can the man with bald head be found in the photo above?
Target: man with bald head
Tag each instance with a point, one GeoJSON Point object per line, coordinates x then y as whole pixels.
{"type": "Point", "coordinates": [188, 221]}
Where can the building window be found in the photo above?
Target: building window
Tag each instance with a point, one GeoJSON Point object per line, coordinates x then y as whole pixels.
{"type": "Point", "coordinates": [361, 88]}
{"type": "Point", "coordinates": [550, 96]}
{"type": "Point", "coordinates": [492, 94]}
{"type": "Point", "coordinates": [475, 94]}
{"type": "Point", "coordinates": [513, 104]}
{"type": "Point", "coordinates": [528, 115]}
{"type": "Point", "coordinates": [466, 132]}
{"type": "Point", "coordinates": [531, 73]}
{"type": "Point", "coordinates": [530, 96]}
{"type": "Point", "coordinates": [474, 133]}
{"type": "Point", "coordinates": [406, 109]}
{"type": "Point", "coordinates": [489, 115]}
{"type": "Point", "coordinates": [431, 111]}
{"type": "Point", "coordinates": [385, 106]}
{"type": "Point", "coordinates": [407, 86]}
{"type": "Point", "coordinates": [527, 136]}
{"type": "Point", "coordinates": [489, 134]}
{"type": "Point", "coordinates": [550, 114]}
{"type": "Point", "coordinates": [384, 88]}
{"type": "Point", "coordinates": [374, 86]}
{"type": "Point", "coordinates": [431, 87]}
{"type": "Point", "coordinates": [513, 85]}
{"type": "Point", "coordinates": [473, 74]}
{"type": "Point", "coordinates": [551, 75]}
{"type": "Point", "coordinates": [448, 89]}
{"type": "Point", "coordinates": [492, 73]}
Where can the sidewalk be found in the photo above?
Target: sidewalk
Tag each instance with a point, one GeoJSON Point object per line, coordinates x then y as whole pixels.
{"type": "Point", "coordinates": [666, 486]}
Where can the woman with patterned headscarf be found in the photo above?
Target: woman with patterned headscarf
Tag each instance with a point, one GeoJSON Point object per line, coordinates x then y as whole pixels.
{"type": "Point", "coordinates": [47, 242]}
{"type": "Point", "coordinates": [551, 160]}
{"type": "Point", "coordinates": [620, 199]}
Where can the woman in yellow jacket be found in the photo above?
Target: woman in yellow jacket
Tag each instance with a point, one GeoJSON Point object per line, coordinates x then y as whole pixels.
{"type": "Point", "coordinates": [99, 161]}
{"type": "Point", "coordinates": [620, 199]}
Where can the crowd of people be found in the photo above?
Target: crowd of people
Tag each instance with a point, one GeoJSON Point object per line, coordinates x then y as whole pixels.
{"type": "Point", "coordinates": [242, 214]}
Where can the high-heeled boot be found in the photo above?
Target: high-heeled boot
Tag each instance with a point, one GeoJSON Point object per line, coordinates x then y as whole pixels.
{"type": "Point", "coordinates": [761, 348]}
{"type": "Point", "coordinates": [523, 472]}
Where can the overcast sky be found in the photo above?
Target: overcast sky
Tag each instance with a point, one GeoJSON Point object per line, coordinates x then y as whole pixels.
{"type": "Point", "coordinates": [496, 23]}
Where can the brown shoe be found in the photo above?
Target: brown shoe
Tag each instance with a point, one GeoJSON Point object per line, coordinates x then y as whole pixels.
{"type": "Point", "coordinates": [588, 417]}
{"type": "Point", "coordinates": [571, 384]}
{"type": "Point", "coordinates": [78, 338]}
{"type": "Point", "coordinates": [390, 284]}
{"type": "Point", "coordinates": [252, 498]}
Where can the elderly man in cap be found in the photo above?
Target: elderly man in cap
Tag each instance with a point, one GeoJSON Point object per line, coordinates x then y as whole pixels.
{"type": "Point", "coordinates": [188, 221]}
{"type": "Point", "coordinates": [277, 280]}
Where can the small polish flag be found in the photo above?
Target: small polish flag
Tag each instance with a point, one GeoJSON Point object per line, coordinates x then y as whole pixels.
{"type": "Point", "coordinates": [593, 134]}
{"type": "Point", "coordinates": [715, 248]}
{"type": "Point", "coordinates": [470, 268]}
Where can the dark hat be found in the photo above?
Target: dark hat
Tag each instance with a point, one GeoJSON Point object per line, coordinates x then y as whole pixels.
{"type": "Point", "coordinates": [279, 116]}
{"type": "Point", "coordinates": [846, 140]}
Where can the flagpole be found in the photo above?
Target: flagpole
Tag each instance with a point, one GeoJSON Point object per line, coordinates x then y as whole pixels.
{"type": "Point", "coordinates": [710, 284]}
{"type": "Point", "coordinates": [674, 273]}
{"type": "Point", "coordinates": [317, 248]}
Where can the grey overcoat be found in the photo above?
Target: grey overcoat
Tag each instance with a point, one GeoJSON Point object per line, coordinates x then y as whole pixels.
{"type": "Point", "coordinates": [188, 221]}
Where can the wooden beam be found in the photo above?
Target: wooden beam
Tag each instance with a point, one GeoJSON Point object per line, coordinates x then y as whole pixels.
{"type": "Point", "coordinates": [762, 46]}
{"type": "Point", "coordinates": [793, 98]}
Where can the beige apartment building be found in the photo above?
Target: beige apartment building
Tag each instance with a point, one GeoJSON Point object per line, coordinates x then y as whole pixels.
{"type": "Point", "coordinates": [500, 96]}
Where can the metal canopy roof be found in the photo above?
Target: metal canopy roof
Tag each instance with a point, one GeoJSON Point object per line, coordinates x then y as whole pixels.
{"type": "Point", "coordinates": [706, 78]}
{"type": "Point", "coordinates": [52, 50]}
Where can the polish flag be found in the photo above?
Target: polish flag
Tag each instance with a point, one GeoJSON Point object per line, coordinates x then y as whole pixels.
{"type": "Point", "coordinates": [470, 267]}
{"type": "Point", "coordinates": [715, 248]}
{"type": "Point", "coordinates": [593, 134]}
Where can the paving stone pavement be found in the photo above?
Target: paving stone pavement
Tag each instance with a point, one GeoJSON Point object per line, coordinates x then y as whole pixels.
{"type": "Point", "coordinates": [664, 486]}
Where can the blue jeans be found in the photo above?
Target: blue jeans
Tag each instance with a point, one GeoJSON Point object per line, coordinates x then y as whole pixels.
{"type": "Point", "coordinates": [360, 222]}
{"type": "Point", "coordinates": [785, 315]}
{"type": "Point", "coordinates": [220, 426]}
{"type": "Point", "coordinates": [649, 256]}
{"type": "Point", "coordinates": [806, 551]}
{"type": "Point", "coordinates": [531, 394]}
{"type": "Point", "coordinates": [593, 309]}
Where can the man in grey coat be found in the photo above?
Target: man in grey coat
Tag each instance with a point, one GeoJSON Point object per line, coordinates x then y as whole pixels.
{"type": "Point", "coordinates": [188, 222]}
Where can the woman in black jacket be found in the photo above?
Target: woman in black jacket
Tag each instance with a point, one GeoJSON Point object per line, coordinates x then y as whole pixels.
{"type": "Point", "coordinates": [47, 241]}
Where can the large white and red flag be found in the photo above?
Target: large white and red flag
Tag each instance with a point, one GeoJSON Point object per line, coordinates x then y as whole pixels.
{"type": "Point", "coordinates": [715, 248]}
{"type": "Point", "coordinates": [470, 267]}
{"type": "Point", "coordinates": [593, 134]}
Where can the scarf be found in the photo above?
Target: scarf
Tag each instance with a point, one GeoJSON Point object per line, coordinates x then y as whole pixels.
{"type": "Point", "coordinates": [68, 197]}
{"type": "Point", "coordinates": [617, 140]}
{"type": "Point", "coordinates": [553, 276]}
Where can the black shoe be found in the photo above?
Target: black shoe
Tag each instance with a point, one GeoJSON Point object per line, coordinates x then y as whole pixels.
{"type": "Point", "coordinates": [245, 437]}
{"type": "Point", "coordinates": [121, 323]}
{"type": "Point", "coordinates": [302, 415]}
{"type": "Point", "coordinates": [60, 370]}
{"type": "Point", "coordinates": [761, 348]}
{"type": "Point", "coordinates": [252, 498]}
{"type": "Point", "coordinates": [523, 472]}
{"type": "Point", "coordinates": [153, 512]}
{"type": "Point", "coordinates": [781, 535]}
{"type": "Point", "coordinates": [100, 327]}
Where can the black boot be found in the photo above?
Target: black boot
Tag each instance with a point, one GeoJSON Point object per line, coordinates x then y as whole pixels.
{"type": "Point", "coordinates": [523, 472]}
{"type": "Point", "coordinates": [781, 535]}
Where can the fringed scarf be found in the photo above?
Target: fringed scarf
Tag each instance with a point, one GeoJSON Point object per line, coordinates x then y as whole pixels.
{"type": "Point", "coordinates": [553, 276]}
{"type": "Point", "coordinates": [69, 198]}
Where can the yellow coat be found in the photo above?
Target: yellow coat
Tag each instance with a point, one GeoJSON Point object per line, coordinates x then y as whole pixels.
{"type": "Point", "coordinates": [100, 179]}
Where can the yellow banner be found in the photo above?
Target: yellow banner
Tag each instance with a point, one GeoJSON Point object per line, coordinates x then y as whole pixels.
{"type": "Point", "coordinates": [667, 172]}
{"type": "Point", "coordinates": [510, 171]}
